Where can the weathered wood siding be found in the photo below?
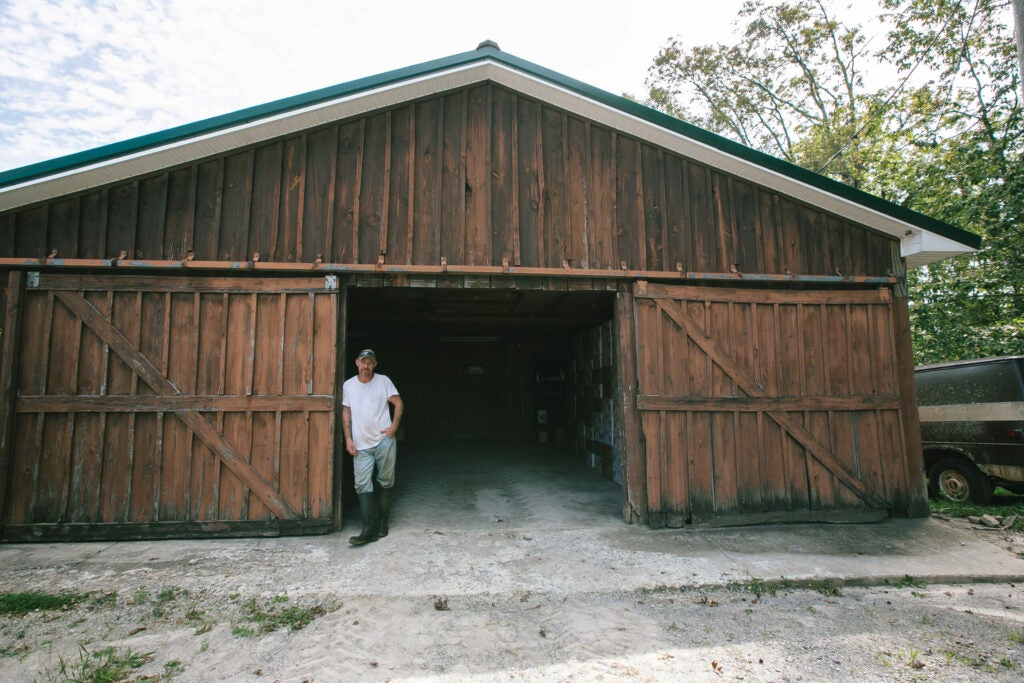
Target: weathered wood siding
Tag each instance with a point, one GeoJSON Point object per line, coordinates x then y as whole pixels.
{"type": "Point", "coordinates": [783, 404]}
{"type": "Point", "coordinates": [474, 176]}
{"type": "Point", "coordinates": [170, 406]}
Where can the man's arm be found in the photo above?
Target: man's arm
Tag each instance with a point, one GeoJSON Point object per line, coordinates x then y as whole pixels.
{"type": "Point", "coordinates": [396, 401]}
{"type": "Point", "coordinates": [346, 426]}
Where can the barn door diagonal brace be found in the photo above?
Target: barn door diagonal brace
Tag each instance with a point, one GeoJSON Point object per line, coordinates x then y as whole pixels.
{"type": "Point", "coordinates": [819, 451]}
{"type": "Point", "coordinates": [152, 376]}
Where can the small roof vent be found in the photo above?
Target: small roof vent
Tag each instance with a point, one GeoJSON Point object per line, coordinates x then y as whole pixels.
{"type": "Point", "coordinates": [488, 43]}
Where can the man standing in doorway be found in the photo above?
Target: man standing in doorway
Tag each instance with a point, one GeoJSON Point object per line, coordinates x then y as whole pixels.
{"type": "Point", "coordinates": [370, 440]}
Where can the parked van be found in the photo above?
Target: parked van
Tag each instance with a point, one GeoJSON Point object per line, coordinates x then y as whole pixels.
{"type": "Point", "coordinates": [972, 427]}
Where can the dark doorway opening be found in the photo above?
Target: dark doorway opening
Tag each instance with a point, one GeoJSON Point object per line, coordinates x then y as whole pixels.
{"type": "Point", "coordinates": [483, 370]}
{"type": "Point", "coordinates": [480, 364]}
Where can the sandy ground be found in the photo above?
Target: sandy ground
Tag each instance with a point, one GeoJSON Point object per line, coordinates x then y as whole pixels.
{"type": "Point", "coordinates": [520, 569]}
{"type": "Point", "coordinates": [492, 616]}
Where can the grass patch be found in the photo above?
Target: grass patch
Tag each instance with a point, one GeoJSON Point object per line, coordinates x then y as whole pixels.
{"type": "Point", "coordinates": [826, 588]}
{"type": "Point", "coordinates": [20, 604]}
{"type": "Point", "coordinates": [1004, 504]}
{"type": "Point", "coordinates": [761, 587]}
{"type": "Point", "coordinates": [274, 614]}
{"type": "Point", "coordinates": [108, 665]}
{"type": "Point", "coordinates": [907, 581]}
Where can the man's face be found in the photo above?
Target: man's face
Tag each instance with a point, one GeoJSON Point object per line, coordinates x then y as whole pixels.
{"type": "Point", "coordinates": [365, 367]}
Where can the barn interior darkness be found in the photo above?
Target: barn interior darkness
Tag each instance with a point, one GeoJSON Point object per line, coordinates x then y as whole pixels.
{"type": "Point", "coordinates": [498, 365]}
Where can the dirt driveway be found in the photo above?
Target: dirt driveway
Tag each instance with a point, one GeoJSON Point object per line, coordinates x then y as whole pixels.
{"type": "Point", "coordinates": [492, 575]}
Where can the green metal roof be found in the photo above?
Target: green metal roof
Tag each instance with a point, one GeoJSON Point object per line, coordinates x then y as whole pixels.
{"type": "Point", "coordinates": [486, 52]}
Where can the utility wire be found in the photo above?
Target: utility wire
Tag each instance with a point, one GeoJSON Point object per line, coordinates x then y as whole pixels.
{"type": "Point", "coordinates": [899, 88]}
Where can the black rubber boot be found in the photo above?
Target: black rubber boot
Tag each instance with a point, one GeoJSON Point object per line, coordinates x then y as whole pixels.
{"type": "Point", "coordinates": [384, 509]}
{"type": "Point", "coordinates": [368, 509]}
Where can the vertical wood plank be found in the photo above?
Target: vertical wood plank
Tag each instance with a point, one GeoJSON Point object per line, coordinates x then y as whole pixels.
{"type": "Point", "coordinates": [602, 239]}
{"type": "Point", "coordinates": [725, 220]}
{"type": "Point", "coordinates": [676, 215]}
{"type": "Point", "coordinates": [318, 213]}
{"type": "Point", "coordinates": [633, 449]}
{"type": "Point", "coordinates": [386, 189]}
{"type": "Point", "coordinates": [233, 242]}
{"type": "Point", "coordinates": [345, 245]}
{"type": "Point", "coordinates": [209, 207]}
{"type": "Point", "coordinates": [338, 446]}
{"type": "Point", "coordinates": [629, 228]}
{"type": "Point", "coordinates": [153, 195]}
{"type": "Point", "coordinates": [210, 380]}
{"type": "Point", "coordinates": [453, 179]}
{"type": "Point", "coordinates": [837, 250]}
{"type": "Point", "coordinates": [789, 236]}
{"type": "Point", "coordinates": [373, 189]}
{"type": "Point", "coordinates": [62, 232]}
{"type": "Point", "coordinates": [176, 470]}
{"type": "Point", "coordinates": [769, 227]}
{"type": "Point", "coordinates": [30, 380]}
{"type": "Point", "coordinates": [8, 232]}
{"type": "Point", "coordinates": [577, 190]}
{"type": "Point", "coordinates": [529, 182]}
{"type": "Point", "coordinates": [477, 248]}
{"type": "Point", "coordinates": [426, 185]}
{"type": "Point", "coordinates": [399, 189]}
{"type": "Point", "coordinates": [146, 471]}
{"type": "Point", "coordinates": [705, 247]}
{"type": "Point", "coordinates": [30, 232]}
{"type": "Point", "coordinates": [750, 452]}
{"type": "Point", "coordinates": [718, 323]}
{"type": "Point", "coordinates": [266, 205]}
{"type": "Point", "coordinates": [647, 325]}
{"type": "Point", "coordinates": [504, 174]}
{"type": "Point", "coordinates": [267, 380]}
{"type": "Point", "coordinates": [297, 379]}
{"type": "Point", "coordinates": [745, 228]}
{"type": "Point", "coordinates": [13, 311]}
{"type": "Point", "coordinates": [118, 440]}
{"type": "Point", "coordinates": [237, 382]}
{"type": "Point", "coordinates": [180, 222]}
{"type": "Point", "coordinates": [916, 496]}
{"type": "Point", "coordinates": [87, 451]}
{"type": "Point", "coordinates": [813, 239]}
{"type": "Point", "coordinates": [554, 235]}
{"type": "Point", "coordinates": [293, 176]}
{"type": "Point", "coordinates": [653, 194]}
{"type": "Point", "coordinates": [321, 424]}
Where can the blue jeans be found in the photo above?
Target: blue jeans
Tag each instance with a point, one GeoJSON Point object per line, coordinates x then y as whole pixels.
{"type": "Point", "coordinates": [383, 456]}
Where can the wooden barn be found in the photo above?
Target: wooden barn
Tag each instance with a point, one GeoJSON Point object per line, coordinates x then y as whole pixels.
{"type": "Point", "coordinates": [724, 334]}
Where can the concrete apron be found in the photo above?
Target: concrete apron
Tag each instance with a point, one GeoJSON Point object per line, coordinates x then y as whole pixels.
{"type": "Point", "coordinates": [515, 521]}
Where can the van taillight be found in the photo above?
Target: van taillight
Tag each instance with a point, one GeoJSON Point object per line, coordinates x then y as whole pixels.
{"type": "Point", "coordinates": [1013, 433]}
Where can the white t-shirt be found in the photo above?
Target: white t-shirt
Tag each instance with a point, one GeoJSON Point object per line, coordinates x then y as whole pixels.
{"type": "Point", "coordinates": [368, 402]}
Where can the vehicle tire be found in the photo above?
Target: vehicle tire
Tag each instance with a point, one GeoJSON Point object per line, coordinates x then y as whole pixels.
{"type": "Point", "coordinates": [959, 482]}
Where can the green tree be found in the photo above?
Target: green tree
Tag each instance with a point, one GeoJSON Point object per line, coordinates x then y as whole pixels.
{"type": "Point", "coordinates": [961, 155]}
{"type": "Point", "coordinates": [943, 137]}
{"type": "Point", "coordinates": [792, 86]}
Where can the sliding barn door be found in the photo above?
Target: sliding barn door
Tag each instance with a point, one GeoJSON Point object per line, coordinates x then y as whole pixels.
{"type": "Point", "coordinates": [760, 405]}
{"type": "Point", "coordinates": [172, 406]}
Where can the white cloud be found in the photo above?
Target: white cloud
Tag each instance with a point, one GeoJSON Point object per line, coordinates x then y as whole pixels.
{"type": "Point", "coordinates": [75, 74]}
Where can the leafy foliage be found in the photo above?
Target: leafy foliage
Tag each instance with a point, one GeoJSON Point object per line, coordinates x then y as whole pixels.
{"type": "Point", "coordinates": [941, 134]}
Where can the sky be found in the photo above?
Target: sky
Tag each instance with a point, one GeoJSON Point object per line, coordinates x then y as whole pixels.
{"type": "Point", "coordinates": [78, 74]}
